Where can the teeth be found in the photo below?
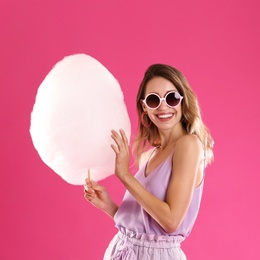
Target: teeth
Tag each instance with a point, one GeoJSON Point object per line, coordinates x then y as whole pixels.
{"type": "Point", "coordinates": [165, 116]}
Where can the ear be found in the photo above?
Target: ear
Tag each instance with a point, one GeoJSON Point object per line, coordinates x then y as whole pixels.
{"type": "Point", "coordinates": [143, 106]}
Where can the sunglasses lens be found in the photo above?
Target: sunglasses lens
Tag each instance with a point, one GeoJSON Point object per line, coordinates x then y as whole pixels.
{"type": "Point", "coordinates": [152, 101]}
{"type": "Point", "coordinates": [173, 99]}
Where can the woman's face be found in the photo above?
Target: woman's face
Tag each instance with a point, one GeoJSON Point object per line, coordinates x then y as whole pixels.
{"type": "Point", "coordinates": [164, 117]}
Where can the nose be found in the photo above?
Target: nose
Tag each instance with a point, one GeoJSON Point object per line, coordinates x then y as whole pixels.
{"type": "Point", "coordinates": [163, 104]}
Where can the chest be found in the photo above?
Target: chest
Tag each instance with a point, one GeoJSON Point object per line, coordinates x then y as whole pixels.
{"type": "Point", "coordinates": [155, 160]}
{"type": "Point", "coordinates": [157, 180]}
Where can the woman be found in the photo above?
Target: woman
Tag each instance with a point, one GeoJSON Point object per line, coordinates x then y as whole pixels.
{"type": "Point", "coordinates": [163, 198]}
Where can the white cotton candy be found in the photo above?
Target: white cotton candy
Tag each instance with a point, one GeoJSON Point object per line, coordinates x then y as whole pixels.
{"type": "Point", "coordinates": [76, 106]}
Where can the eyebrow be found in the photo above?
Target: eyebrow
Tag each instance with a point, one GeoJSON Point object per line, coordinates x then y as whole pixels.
{"type": "Point", "coordinates": [174, 90]}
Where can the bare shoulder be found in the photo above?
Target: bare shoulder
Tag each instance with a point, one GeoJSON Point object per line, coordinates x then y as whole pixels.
{"type": "Point", "coordinates": [188, 159]}
{"type": "Point", "coordinates": [189, 143]}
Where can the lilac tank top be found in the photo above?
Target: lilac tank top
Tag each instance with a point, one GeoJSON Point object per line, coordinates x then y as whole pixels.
{"type": "Point", "coordinates": [132, 217]}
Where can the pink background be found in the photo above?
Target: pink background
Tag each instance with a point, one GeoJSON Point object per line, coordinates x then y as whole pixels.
{"type": "Point", "coordinates": [215, 43]}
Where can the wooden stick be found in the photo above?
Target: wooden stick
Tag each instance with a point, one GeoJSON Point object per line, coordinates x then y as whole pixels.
{"type": "Point", "coordinates": [88, 175]}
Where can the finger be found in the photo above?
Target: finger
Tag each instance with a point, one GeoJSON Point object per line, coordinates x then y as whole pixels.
{"type": "Point", "coordinates": [116, 135]}
{"type": "Point", "coordinates": [93, 184]}
{"type": "Point", "coordinates": [89, 194]}
{"type": "Point", "coordinates": [116, 150]}
{"type": "Point", "coordinates": [119, 142]}
{"type": "Point", "coordinates": [88, 190]}
{"type": "Point", "coordinates": [124, 137]}
{"type": "Point", "coordinates": [89, 197]}
{"type": "Point", "coordinates": [96, 187]}
{"type": "Point", "coordinates": [116, 140]}
{"type": "Point", "coordinates": [88, 182]}
{"type": "Point", "coordinates": [87, 186]}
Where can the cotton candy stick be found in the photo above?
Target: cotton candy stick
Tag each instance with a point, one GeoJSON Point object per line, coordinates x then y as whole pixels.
{"type": "Point", "coordinates": [88, 175]}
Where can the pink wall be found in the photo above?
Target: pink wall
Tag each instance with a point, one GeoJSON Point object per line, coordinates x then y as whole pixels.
{"type": "Point", "coordinates": [215, 44]}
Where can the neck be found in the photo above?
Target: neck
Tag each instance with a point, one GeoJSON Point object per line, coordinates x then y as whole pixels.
{"type": "Point", "coordinates": [169, 137]}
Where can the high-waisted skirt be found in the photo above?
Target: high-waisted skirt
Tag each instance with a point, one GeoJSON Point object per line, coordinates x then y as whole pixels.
{"type": "Point", "coordinates": [127, 245]}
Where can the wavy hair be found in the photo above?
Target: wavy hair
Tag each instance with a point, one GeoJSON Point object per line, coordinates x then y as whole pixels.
{"type": "Point", "coordinates": [191, 118]}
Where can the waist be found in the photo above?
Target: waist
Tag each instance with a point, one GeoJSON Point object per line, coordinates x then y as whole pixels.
{"type": "Point", "coordinates": [149, 240]}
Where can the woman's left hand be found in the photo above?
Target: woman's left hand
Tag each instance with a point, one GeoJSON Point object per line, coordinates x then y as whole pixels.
{"type": "Point", "coordinates": [121, 150]}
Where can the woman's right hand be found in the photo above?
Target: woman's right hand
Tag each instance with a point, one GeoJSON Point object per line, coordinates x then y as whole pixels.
{"type": "Point", "coordinates": [98, 196]}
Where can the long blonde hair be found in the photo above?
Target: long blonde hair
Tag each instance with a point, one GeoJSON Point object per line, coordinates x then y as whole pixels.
{"type": "Point", "coordinates": [191, 117]}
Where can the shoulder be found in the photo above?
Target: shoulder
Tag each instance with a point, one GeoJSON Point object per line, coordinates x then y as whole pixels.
{"type": "Point", "coordinates": [189, 140]}
{"type": "Point", "coordinates": [189, 144]}
{"type": "Point", "coordinates": [188, 156]}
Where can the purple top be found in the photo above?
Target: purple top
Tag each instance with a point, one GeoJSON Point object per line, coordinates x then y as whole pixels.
{"type": "Point", "coordinates": [132, 217]}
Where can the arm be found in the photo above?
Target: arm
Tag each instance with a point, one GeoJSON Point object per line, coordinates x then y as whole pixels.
{"type": "Point", "coordinates": [169, 213]}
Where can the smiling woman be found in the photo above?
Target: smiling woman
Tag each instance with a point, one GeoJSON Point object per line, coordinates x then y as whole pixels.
{"type": "Point", "coordinates": [162, 200]}
{"type": "Point", "coordinates": [162, 80]}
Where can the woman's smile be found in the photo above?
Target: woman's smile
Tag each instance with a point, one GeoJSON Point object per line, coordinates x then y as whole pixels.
{"type": "Point", "coordinates": [165, 116]}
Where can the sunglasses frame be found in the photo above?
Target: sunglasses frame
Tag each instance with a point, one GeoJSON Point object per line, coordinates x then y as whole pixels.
{"type": "Point", "coordinates": [162, 99]}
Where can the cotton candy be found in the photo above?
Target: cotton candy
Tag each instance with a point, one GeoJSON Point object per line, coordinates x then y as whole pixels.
{"type": "Point", "coordinates": [76, 106]}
